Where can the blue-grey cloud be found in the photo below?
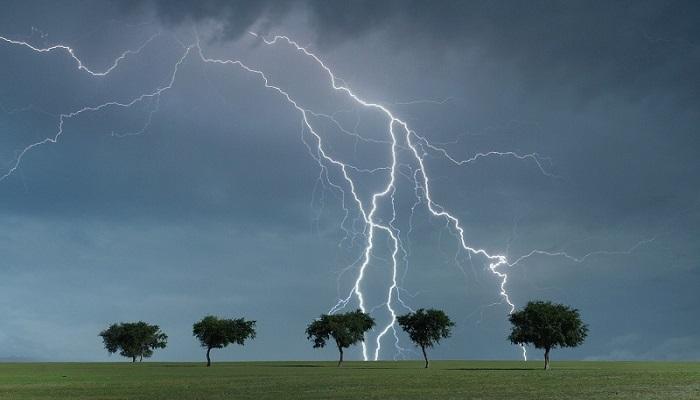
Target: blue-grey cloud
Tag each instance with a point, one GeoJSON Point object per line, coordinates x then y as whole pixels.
{"type": "Point", "coordinates": [216, 208]}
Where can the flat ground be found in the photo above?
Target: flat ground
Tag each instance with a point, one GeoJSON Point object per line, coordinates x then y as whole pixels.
{"type": "Point", "coordinates": [356, 380]}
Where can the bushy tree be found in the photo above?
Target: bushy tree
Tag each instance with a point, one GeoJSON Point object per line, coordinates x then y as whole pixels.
{"type": "Point", "coordinates": [217, 333]}
{"type": "Point", "coordinates": [426, 328]}
{"type": "Point", "coordinates": [546, 326]}
{"type": "Point", "coordinates": [345, 329]}
{"type": "Point", "coordinates": [133, 339]}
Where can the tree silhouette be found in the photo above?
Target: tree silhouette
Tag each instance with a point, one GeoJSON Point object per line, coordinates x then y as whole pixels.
{"type": "Point", "coordinates": [217, 333]}
{"type": "Point", "coordinates": [133, 339]}
{"type": "Point", "coordinates": [546, 326]}
{"type": "Point", "coordinates": [426, 328]}
{"type": "Point", "coordinates": [345, 329]}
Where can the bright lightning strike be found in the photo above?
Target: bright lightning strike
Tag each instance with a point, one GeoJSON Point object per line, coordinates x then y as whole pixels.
{"type": "Point", "coordinates": [399, 137]}
{"type": "Point", "coordinates": [409, 139]}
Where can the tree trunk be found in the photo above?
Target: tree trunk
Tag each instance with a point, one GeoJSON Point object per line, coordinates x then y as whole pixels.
{"type": "Point", "coordinates": [133, 359]}
{"type": "Point", "coordinates": [141, 358]}
{"type": "Point", "coordinates": [208, 358]}
{"type": "Point", "coordinates": [340, 361]}
{"type": "Point", "coordinates": [425, 356]}
{"type": "Point", "coordinates": [546, 358]}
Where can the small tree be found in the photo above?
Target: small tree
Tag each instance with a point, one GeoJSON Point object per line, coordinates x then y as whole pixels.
{"type": "Point", "coordinates": [345, 329]}
{"type": "Point", "coordinates": [217, 333]}
{"type": "Point", "coordinates": [546, 326]}
{"type": "Point", "coordinates": [426, 328]}
{"type": "Point", "coordinates": [133, 339]}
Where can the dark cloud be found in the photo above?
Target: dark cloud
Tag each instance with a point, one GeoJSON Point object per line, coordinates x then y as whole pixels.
{"type": "Point", "coordinates": [630, 48]}
{"type": "Point", "coordinates": [237, 16]}
{"type": "Point", "coordinates": [216, 207]}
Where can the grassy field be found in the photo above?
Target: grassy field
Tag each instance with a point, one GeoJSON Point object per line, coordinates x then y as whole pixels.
{"type": "Point", "coordinates": [355, 380]}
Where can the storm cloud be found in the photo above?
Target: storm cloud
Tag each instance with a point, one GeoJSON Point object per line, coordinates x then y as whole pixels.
{"type": "Point", "coordinates": [626, 47]}
{"type": "Point", "coordinates": [217, 207]}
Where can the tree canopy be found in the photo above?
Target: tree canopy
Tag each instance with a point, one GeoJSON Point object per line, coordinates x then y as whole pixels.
{"type": "Point", "coordinates": [345, 329]}
{"type": "Point", "coordinates": [133, 339]}
{"type": "Point", "coordinates": [547, 325]}
{"type": "Point", "coordinates": [426, 328]}
{"type": "Point", "coordinates": [217, 333]}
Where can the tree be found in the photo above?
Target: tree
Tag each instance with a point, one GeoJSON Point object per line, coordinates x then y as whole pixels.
{"type": "Point", "coordinates": [426, 328]}
{"type": "Point", "coordinates": [546, 326]}
{"type": "Point", "coordinates": [217, 333]}
{"type": "Point", "coordinates": [345, 329]}
{"type": "Point", "coordinates": [133, 339]}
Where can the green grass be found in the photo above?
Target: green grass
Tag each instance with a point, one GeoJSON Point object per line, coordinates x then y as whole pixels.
{"type": "Point", "coordinates": [355, 380]}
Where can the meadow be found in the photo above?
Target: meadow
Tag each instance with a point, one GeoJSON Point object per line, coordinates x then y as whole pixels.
{"type": "Point", "coordinates": [371, 380]}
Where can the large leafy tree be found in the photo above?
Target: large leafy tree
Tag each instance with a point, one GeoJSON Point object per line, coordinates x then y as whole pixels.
{"type": "Point", "coordinates": [133, 339]}
{"type": "Point", "coordinates": [345, 329]}
{"type": "Point", "coordinates": [217, 333]}
{"type": "Point", "coordinates": [547, 325]}
{"type": "Point", "coordinates": [426, 328]}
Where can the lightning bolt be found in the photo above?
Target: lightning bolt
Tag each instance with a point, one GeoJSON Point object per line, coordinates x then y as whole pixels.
{"type": "Point", "coordinates": [583, 258]}
{"type": "Point", "coordinates": [409, 139]}
{"type": "Point", "coordinates": [79, 62]}
{"type": "Point", "coordinates": [400, 138]}
{"type": "Point", "coordinates": [81, 66]}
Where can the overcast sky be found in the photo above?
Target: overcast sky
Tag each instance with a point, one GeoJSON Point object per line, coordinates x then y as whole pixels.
{"type": "Point", "coordinates": [210, 199]}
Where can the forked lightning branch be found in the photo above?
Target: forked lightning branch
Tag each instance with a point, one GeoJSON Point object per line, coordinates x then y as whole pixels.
{"type": "Point", "coordinates": [399, 140]}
